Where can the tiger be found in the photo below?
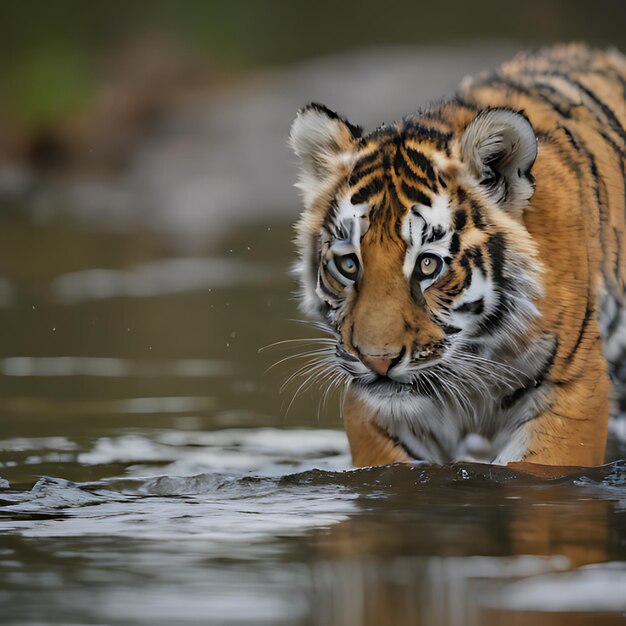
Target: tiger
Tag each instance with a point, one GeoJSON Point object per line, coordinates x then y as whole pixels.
{"type": "Point", "coordinates": [468, 263]}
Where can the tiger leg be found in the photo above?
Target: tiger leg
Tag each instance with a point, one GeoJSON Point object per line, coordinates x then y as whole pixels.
{"type": "Point", "coordinates": [573, 429]}
{"type": "Point", "coordinates": [369, 444]}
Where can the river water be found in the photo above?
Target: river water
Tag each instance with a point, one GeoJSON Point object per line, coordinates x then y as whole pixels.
{"type": "Point", "coordinates": [151, 473]}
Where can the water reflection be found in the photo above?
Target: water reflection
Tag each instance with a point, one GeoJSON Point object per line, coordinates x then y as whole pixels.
{"type": "Point", "coordinates": [474, 591]}
{"type": "Point", "coordinates": [468, 544]}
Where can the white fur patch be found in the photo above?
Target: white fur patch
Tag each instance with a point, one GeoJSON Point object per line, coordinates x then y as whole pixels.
{"type": "Point", "coordinates": [515, 448]}
{"type": "Point", "coordinates": [439, 214]}
{"type": "Point", "coordinates": [354, 218]}
{"type": "Point", "coordinates": [324, 146]}
{"type": "Point", "coordinates": [480, 287]}
{"type": "Point", "coordinates": [412, 228]}
{"type": "Point", "coordinates": [615, 346]}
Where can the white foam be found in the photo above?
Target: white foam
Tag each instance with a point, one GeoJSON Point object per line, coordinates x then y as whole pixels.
{"type": "Point", "coordinates": [264, 451]}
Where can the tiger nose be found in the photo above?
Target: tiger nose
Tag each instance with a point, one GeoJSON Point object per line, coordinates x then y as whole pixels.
{"type": "Point", "coordinates": [380, 365]}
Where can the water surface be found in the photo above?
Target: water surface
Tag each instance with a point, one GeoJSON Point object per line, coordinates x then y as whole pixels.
{"type": "Point", "coordinates": [150, 473]}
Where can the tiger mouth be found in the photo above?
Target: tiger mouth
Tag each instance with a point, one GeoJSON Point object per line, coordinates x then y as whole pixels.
{"type": "Point", "coordinates": [385, 386]}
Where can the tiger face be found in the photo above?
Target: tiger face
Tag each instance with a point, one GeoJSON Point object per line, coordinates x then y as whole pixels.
{"type": "Point", "coordinates": [413, 248]}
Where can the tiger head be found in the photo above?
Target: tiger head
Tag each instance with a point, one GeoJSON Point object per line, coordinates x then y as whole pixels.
{"type": "Point", "coordinates": [412, 245]}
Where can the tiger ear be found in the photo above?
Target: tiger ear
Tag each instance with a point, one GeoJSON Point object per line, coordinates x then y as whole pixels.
{"type": "Point", "coordinates": [324, 141]}
{"type": "Point", "coordinates": [500, 147]}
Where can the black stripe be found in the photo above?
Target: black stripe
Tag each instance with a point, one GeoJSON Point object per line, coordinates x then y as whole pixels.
{"type": "Point", "coordinates": [415, 195]}
{"type": "Point", "coordinates": [477, 307]}
{"type": "Point", "coordinates": [477, 217]}
{"type": "Point", "coordinates": [538, 91]}
{"type": "Point", "coordinates": [614, 323]}
{"type": "Point", "coordinates": [331, 214]}
{"type": "Point", "coordinates": [467, 268]}
{"type": "Point", "coordinates": [496, 245]}
{"type": "Point", "coordinates": [398, 227]}
{"type": "Point", "coordinates": [460, 219]}
{"type": "Point", "coordinates": [358, 175]}
{"type": "Point", "coordinates": [466, 103]}
{"type": "Point", "coordinates": [422, 161]}
{"type": "Point", "coordinates": [568, 114]}
{"type": "Point", "coordinates": [375, 186]}
{"type": "Point", "coordinates": [403, 169]}
{"type": "Point", "coordinates": [494, 320]}
{"type": "Point", "coordinates": [562, 105]}
{"type": "Point", "coordinates": [618, 257]}
{"type": "Point", "coordinates": [581, 331]}
{"type": "Point", "coordinates": [435, 234]}
{"type": "Point", "coordinates": [596, 181]}
{"type": "Point", "coordinates": [367, 160]}
{"type": "Point", "coordinates": [612, 74]}
{"type": "Point", "coordinates": [532, 92]}
{"type": "Point", "coordinates": [608, 113]}
{"type": "Point", "coordinates": [439, 138]}
{"type": "Point", "coordinates": [455, 244]}
{"type": "Point", "coordinates": [475, 254]}
{"type": "Point", "coordinates": [538, 380]}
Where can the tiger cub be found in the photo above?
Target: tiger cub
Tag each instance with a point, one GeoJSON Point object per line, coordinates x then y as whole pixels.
{"type": "Point", "coordinates": [469, 261]}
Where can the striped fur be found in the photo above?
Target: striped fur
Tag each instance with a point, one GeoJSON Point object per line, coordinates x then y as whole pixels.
{"type": "Point", "coordinates": [513, 191]}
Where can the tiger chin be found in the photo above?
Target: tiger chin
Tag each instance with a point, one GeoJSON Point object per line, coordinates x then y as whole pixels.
{"type": "Point", "coordinates": [469, 262]}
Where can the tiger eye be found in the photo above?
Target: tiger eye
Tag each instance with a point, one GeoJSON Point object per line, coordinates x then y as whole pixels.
{"type": "Point", "coordinates": [347, 265]}
{"type": "Point", "coordinates": [428, 266]}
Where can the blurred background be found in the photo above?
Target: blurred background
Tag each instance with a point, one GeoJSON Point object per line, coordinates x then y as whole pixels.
{"type": "Point", "coordinates": [146, 211]}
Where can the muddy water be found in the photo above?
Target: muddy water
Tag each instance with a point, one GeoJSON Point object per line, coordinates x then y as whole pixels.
{"type": "Point", "coordinates": [150, 473]}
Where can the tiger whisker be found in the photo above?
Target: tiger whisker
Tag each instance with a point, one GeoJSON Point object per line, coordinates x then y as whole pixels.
{"type": "Point", "coordinates": [311, 366]}
{"type": "Point", "coordinates": [308, 383]}
{"type": "Point", "coordinates": [300, 355]}
{"type": "Point", "coordinates": [323, 340]}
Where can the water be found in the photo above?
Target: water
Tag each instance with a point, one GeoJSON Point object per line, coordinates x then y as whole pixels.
{"type": "Point", "coordinates": [151, 475]}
